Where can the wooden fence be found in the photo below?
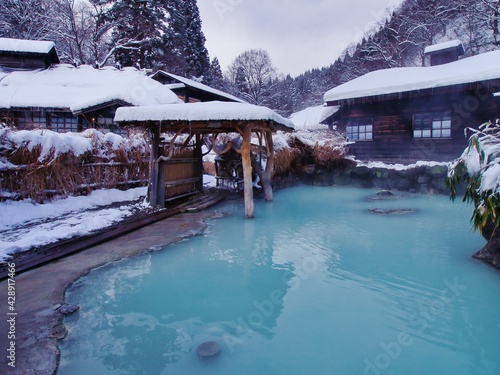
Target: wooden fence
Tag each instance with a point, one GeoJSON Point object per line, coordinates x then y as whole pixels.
{"type": "Point", "coordinates": [42, 181]}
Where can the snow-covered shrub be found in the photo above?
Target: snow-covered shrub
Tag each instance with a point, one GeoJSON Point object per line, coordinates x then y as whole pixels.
{"type": "Point", "coordinates": [479, 168]}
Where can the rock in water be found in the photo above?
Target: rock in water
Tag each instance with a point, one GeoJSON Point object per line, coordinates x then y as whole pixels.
{"type": "Point", "coordinates": [208, 349]}
{"type": "Point", "coordinates": [385, 193]}
{"type": "Point", "coordinates": [68, 309]}
{"type": "Point", "coordinates": [399, 211]}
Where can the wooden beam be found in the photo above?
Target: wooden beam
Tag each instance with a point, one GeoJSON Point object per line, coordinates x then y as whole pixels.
{"type": "Point", "coordinates": [247, 171]}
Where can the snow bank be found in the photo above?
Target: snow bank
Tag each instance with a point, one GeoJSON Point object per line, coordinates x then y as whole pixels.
{"type": "Point", "coordinates": [53, 144]}
{"type": "Point", "coordinates": [25, 225]}
{"type": "Point", "coordinates": [402, 167]}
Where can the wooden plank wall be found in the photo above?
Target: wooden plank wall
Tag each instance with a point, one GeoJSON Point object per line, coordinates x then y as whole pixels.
{"type": "Point", "coordinates": [393, 140]}
{"type": "Point", "coordinates": [180, 174]}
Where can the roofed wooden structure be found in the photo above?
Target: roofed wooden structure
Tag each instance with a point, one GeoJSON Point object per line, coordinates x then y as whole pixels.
{"type": "Point", "coordinates": [27, 54]}
{"type": "Point", "coordinates": [197, 120]}
{"type": "Point", "coordinates": [190, 91]}
{"type": "Point", "coordinates": [404, 115]}
{"type": "Point", "coordinates": [444, 53]}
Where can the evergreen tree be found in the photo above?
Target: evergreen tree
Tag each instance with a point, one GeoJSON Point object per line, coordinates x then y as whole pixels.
{"type": "Point", "coordinates": [214, 78]}
{"type": "Point", "coordinates": [139, 25]}
{"type": "Point", "coordinates": [196, 53]}
{"type": "Point", "coordinates": [184, 42]}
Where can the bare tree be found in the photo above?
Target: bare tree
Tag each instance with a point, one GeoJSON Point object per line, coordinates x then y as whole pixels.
{"type": "Point", "coordinates": [27, 19]}
{"type": "Point", "coordinates": [489, 12]}
{"type": "Point", "coordinates": [254, 76]}
{"type": "Point", "coordinates": [73, 24]}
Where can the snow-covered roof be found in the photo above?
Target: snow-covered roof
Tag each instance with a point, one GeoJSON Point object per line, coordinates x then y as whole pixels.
{"type": "Point", "coordinates": [200, 86]}
{"type": "Point", "coordinates": [478, 68]}
{"type": "Point", "coordinates": [443, 46]}
{"type": "Point", "coordinates": [312, 117]}
{"type": "Point", "coordinates": [205, 111]}
{"type": "Point", "coordinates": [30, 46]}
{"type": "Point", "coordinates": [64, 86]}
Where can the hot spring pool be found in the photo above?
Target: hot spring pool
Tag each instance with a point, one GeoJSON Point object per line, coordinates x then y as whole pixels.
{"type": "Point", "coordinates": [315, 284]}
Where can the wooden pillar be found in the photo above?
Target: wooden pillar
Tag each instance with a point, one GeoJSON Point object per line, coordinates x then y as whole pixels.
{"type": "Point", "coordinates": [247, 171]}
{"type": "Point", "coordinates": [198, 154]}
{"type": "Point", "coordinates": [153, 166]}
{"type": "Point", "coordinates": [161, 179]}
{"type": "Point", "coordinates": [266, 175]}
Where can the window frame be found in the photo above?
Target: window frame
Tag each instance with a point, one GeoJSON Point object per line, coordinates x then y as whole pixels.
{"type": "Point", "coordinates": [62, 122]}
{"type": "Point", "coordinates": [432, 125]}
{"type": "Point", "coordinates": [359, 129]}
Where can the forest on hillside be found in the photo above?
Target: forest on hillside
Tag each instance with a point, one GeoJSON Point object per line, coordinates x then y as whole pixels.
{"type": "Point", "coordinates": [167, 34]}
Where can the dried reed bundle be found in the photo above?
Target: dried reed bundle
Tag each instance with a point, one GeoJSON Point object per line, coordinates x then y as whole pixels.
{"type": "Point", "coordinates": [40, 164]}
{"type": "Point", "coordinates": [328, 154]}
{"type": "Point", "coordinates": [284, 160]}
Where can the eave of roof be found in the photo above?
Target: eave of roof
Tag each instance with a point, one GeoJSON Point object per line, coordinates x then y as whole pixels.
{"type": "Point", "coordinates": [199, 87]}
{"type": "Point", "coordinates": [204, 117]}
{"type": "Point", "coordinates": [403, 81]}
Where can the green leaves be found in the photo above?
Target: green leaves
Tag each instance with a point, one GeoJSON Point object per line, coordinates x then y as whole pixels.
{"type": "Point", "coordinates": [482, 153]}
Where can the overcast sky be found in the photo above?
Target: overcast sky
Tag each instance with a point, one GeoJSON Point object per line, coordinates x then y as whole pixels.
{"type": "Point", "coordinates": [298, 34]}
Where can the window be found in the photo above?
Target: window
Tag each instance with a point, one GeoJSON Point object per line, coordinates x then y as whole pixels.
{"type": "Point", "coordinates": [32, 120]}
{"type": "Point", "coordinates": [359, 129]}
{"type": "Point", "coordinates": [64, 122]}
{"type": "Point", "coordinates": [432, 125]}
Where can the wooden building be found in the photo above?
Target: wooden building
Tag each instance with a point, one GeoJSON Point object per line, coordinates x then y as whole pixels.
{"type": "Point", "coordinates": [27, 54]}
{"type": "Point", "coordinates": [190, 91]}
{"type": "Point", "coordinates": [38, 92]}
{"type": "Point", "coordinates": [66, 98]}
{"type": "Point", "coordinates": [173, 175]}
{"type": "Point", "coordinates": [444, 53]}
{"type": "Point", "coordinates": [404, 115]}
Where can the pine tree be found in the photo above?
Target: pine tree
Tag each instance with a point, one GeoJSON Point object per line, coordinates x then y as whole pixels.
{"type": "Point", "coordinates": [214, 77]}
{"type": "Point", "coordinates": [196, 53]}
{"type": "Point", "coordinates": [184, 42]}
{"type": "Point", "coordinates": [139, 25]}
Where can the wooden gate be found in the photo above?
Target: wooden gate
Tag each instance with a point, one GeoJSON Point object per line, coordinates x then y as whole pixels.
{"type": "Point", "coordinates": [182, 174]}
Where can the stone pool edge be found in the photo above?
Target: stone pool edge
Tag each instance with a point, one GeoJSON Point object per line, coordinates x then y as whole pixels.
{"type": "Point", "coordinates": [39, 326]}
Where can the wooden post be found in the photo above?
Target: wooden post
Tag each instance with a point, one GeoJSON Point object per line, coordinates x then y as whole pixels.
{"type": "Point", "coordinates": [153, 166]}
{"type": "Point", "coordinates": [161, 179]}
{"type": "Point", "coordinates": [198, 154]}
{"type": "Point", "coordinates": [266, 175]}
{"type": "Point", "coordinates": [247, 171]}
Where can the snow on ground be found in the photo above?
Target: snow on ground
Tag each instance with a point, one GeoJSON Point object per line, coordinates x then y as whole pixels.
{"type": "Point", "coordinates": [401, 167]}
{"type": "Point", "coordinates": [24, 225]}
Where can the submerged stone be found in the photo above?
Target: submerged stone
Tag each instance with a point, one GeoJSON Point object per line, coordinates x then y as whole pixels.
{"type": "Point", "coordinates": [397, 211]}
{"type": "Point", "coordinates": [68, 309]}
{"type": "Point", "coordinates": [208, 349]}
{"type": "Point", "coordinates": [385, 195]}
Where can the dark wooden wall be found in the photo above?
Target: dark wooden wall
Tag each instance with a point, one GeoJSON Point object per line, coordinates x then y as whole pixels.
{"type": "Point", "coordinates": [28, 60]}
{"type": "Point", "coordinates": [393, 140]}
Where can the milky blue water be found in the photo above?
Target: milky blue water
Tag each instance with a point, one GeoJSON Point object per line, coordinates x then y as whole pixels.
{"type": "Point", "coordinates": [315, 284]}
